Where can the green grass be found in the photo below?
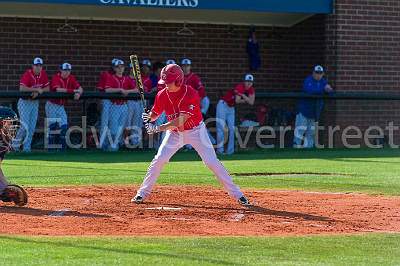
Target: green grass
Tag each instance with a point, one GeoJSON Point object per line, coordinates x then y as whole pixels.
{"type": "Point", "coordinates": [372, 249]}
{"type": "Point", "coordinates": [365, 170]}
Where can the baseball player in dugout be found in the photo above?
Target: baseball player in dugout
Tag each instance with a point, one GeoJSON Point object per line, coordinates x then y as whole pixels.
{"type": "Point", "coordinates": [194, 81]}
{"type": "Point", "coordinates": [105, 106]}
{"type": "Point", "coordinates": [145, 73]}
{"type": "Point", "coordinates": [243, 93]}
{"type": "Point", "coordinates": [34, 80]}
{"type": "Point", "coordinates": [155, 76]}
{"type": "Point", "coordinates": [57, 118]}
{"type": "Point", "coordinates": [9, 124]}
{"type": "Point", "coordinates": [185, 125]}
{"type": "Point", "coordinates": [118, 83]}
{"type": "Point", "coordinates": [309, 110]}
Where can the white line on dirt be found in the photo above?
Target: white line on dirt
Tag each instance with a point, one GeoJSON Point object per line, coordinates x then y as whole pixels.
{"type": "Point", "coordinates": [164, 209]}
{"type": "Point", "coordinates": [174, 218]}
{"type": "Point", "coordinates": [306, 192]}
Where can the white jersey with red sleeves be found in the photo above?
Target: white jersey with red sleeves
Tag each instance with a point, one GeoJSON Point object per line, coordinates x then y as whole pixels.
{"type": "Point", "coordinates": [184, 101]}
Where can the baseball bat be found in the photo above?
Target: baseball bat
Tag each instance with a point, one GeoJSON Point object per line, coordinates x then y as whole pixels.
{"type": "Point", "coordinates": [138, 78]}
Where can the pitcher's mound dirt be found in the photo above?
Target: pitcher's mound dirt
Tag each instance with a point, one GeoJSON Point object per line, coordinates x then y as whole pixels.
{"type": "Point", "coordinates": [189, 210]}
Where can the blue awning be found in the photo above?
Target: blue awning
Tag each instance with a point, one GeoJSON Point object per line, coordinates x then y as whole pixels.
{"type": "Point", "coordinates": [284, 13]}
{"type": "Point", "coordinates": [273, 6]}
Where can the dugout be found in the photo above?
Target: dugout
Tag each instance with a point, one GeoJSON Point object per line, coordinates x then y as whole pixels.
{"type": "Point", "coordinates": [355, 40]}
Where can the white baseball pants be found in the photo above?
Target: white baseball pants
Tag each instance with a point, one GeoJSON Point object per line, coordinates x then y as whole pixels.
{"type": "Point", "coordinates": [225, 116]}
{"type": "Point", "coordinates": [105, 123]}
{"type": "Point", "coordinates": [56, 113]}
{"type": "Point", "coordinates": [134, 121]}
{"type": "Point", "coordinates": [304, 130]}
{"type": "Point", "coordinates": [28, 113]}
{"type": "Point", "coordinates": [198, 138]}
{"type": "Point", "coordinates": [118, 116]}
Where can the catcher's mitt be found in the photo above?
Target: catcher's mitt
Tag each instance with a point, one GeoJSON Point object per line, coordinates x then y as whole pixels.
{"type": "Point", "coordinates": [16, 194]}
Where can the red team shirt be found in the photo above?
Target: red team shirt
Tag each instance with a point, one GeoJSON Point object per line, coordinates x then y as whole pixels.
{"type": "Point", "coordinates": [70, 83]}
{"type": "Point", "coordinates": [123, 82]}
{"type": "Point", "coordinates": [184, 101]}
{"type": "Point", "coordinates": [229, 96]}
{"type": "Point", "coordinates": [101, 85]}
{"type": "Point", "coordinates": [30, 80]}
{"type": "Point", "coordinates": [194, 81]}
{"type": "Point", "coordinates": [147, 83]}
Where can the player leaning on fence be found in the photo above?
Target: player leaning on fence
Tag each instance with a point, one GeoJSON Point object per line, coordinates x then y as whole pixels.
{"type": "Point", "coordinates": [243, 93]}
{"type": "Point", "coordinates": [105, 106]}
{"type": "Point", "coordinates": [57, 118]}
{"type": "Point", "coordinates": [309, 110]}
{"type": "Point", "coordinates": [34, 80]}
{"type": "Point", "coordinates": [118, 83]}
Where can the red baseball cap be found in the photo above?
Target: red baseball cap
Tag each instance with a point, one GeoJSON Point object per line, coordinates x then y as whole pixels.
{"type": "Point", "coordinates": [171, 73]}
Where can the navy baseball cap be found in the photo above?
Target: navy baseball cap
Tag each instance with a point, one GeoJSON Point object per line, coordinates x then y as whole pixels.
{"type": "Point", "coordinates": [249, 77]}
{"type": "Point", "coordinates": [38, 61]}
{"type": "Point", "coordinates": [66, 66]}
{"type": "Point", "coordinates": [146, 62]}
{"type": "Point", "coordinates": [118, 62]}
{"type": "Point", "coordinates": [318, 69]}
{"type": "Point", "coordinates": [186, 61]}
{"type": "Point", "coordinates": [170, 61]}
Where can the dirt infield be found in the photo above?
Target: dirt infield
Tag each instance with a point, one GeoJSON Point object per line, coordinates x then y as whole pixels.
{"type": "Point", "coordinates": [189, 210]}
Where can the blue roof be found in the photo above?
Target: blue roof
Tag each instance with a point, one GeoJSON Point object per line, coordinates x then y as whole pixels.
{"type": "Point", "coordinates": [272, 6]}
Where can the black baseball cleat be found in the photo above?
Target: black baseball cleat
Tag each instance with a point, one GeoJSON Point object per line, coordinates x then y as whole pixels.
{"type": "Point", "coordinates": [137, 199]}
{"type": "Point", "coordinates": [244, 201]}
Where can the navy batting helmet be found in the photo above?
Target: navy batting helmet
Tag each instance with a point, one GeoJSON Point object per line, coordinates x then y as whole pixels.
{"type": "Point", "coordinates": [9, 124]}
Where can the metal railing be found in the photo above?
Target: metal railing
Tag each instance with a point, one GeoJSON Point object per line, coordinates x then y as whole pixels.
{"type": "Point", "coordinates": [85, 126]}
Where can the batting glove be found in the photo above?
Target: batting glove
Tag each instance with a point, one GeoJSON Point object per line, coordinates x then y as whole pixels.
{"type": "Point", "coordinates": [146, 117]}
{"type": "Point", "coordinates": [151, 128]}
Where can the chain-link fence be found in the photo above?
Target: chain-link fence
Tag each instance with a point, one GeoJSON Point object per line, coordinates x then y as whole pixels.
{"type": "Point", "coordinates": [111, 122]}
{"type": "Point", "coordinates": [57, 121]}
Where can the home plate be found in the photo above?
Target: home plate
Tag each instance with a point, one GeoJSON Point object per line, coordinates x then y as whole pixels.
{"type": "Point", "coordinates": [164, 209]}
{"type": "Point", "coordinates": [59, 213]}
{"type": "Point", "coordinates": [237, 217]}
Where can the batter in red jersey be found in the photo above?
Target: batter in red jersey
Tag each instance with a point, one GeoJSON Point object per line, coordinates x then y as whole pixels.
{"type": "Point", "coordinates": [185, 125]}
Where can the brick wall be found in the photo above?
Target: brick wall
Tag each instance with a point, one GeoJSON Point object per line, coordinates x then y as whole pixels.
{"type": "Point", "coordinates": [367, 36]}
{"type": "Point", "coordinates": [218, 55]}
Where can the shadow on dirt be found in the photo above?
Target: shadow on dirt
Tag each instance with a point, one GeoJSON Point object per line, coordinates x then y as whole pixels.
{"type": "Point", "coordinates": [50, 213]}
